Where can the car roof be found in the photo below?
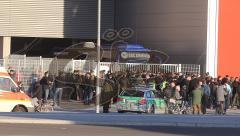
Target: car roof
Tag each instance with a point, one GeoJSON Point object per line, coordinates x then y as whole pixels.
{"type": "Point", "coordinates": [142, 89]}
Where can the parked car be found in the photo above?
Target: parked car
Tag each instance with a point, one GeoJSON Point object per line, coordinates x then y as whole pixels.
{"type": "Point", "coordinates": [140, 100]}
{"type": "Point", "coordinates": [12, 99]}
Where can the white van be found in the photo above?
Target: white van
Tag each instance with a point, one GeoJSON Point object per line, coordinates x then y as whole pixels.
{"type": "Point", "coordinates": [11, 98]}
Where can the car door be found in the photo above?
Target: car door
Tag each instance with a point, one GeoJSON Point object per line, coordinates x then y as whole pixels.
{"type": "Point", "coordinates": [8, 98]}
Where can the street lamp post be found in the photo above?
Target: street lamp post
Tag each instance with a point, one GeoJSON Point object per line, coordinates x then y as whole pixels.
{"type": "Point", "coordinates": [98, 91]}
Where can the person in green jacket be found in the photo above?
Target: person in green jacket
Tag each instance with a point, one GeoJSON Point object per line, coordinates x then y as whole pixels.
{"type": "Point", "coordinates": [197, 95]}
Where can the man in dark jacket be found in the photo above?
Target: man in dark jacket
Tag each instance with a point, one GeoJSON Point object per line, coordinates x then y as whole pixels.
{"type": "Point", "coordinates": [59, 85]}
{"type": "Point", "coordinates": [45, 84]}
{"type": "Point", "coordinates": [107, 93]}
{"type": "Point", "coordinates": [170, 91]}
{"type": "Point", "coordinates": [88, 88]}
{"type": "Point", "coordinates": [77, 81]}
{"type": "Point", "coordinates": [123, 82]}
{"type": "Point", "coordinates": [206, 95]}
{"type": "Point", "coordinates": [235, 92]}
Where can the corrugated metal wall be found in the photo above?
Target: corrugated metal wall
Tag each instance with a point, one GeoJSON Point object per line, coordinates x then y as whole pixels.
{"type": "Point", "coordinates": [32, 18]}
{"type": "Point", "coordinates": [81, 17]}
{"type": "Point", "coordinates": [53, 18]}
{"type": "Point", "coordinates": [176, 27]}
{"type": "Point", "coordinates": [5, 18]}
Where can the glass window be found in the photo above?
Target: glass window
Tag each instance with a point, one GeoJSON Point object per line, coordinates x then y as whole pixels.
{"type": "Point", "coordinates": [6, 84]}
{"type": "Point", "coordinates": [132, 93]}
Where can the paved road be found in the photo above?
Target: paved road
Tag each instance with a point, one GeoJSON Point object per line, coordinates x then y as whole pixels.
{"type": "Point", "coordinates": [80, 130]}
{"type": "Point", "coordinates": [120, 119]}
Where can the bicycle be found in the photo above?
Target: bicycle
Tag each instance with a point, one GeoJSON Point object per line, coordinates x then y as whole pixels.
{"type": "Point", "coordinates": [43, 106]}
{"type": "Point", "coordinates": [179, 107]}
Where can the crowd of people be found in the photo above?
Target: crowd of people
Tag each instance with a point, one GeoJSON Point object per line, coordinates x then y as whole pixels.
{"type": "Point", "coordinates": [201, 91]}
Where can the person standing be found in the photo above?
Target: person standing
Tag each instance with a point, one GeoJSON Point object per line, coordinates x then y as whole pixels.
{"type": "Point", "coordinates": [197, 95]}
{"type": "Point", "coordinates": [59, 85]}
{"type": "Point", "coordinates": [81, 86]}
{"type": "Point", "coordinates": [213, 89]}
{"type": "Point", "coordinates": [170, 91]}
{"type": "Point", "coordinates": [235, 92]}
{"type": "Point", "coordinates": [107, 93]}
{"type": "Point", "coordinates": [177, 94]}
{"type": "Point", "coordinates": [87, 88]}
{"type": "Point", "coordinates": [76, 81]}
{"type": "Point", "coordinates": [34, 81]}
{"type": "Point", "coordinates": [45, 86]}
{"type": "Point", "coordinates": [221, 91]}
{"type": "Point", "coordinates": [228, 94]}
{"type": "Point", "coordinates": [123, 82]}
{"type": "Point", "coordinates": [193, 84]}
{"type": "Point", "coordinates": [93, 79]}
{"type": "Point", "coordinates": [206, 95]}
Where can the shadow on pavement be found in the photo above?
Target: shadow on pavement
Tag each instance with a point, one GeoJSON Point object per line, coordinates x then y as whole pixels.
{"type": "Point", "coordinates": [189, 131]}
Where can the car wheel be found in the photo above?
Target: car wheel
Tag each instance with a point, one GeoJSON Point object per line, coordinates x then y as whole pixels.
{"type": "Point", "coordinates": [19, 109]}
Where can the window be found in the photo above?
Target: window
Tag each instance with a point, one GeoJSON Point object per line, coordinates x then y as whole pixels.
{"type": "Point", "coordinates": [6, 84]}
{"type": "Point", "coordinates": [132, 93]}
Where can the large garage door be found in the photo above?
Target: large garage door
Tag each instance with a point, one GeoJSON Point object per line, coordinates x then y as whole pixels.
{"type": "Point", "coordinates": [176, 27]}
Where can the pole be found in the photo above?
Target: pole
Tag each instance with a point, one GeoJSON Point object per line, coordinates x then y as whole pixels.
{"type": "Point", "coordinates": [98, 92]}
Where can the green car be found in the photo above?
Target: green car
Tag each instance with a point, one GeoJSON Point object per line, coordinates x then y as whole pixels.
{"type": "Point", "coordinates": [141, 100]}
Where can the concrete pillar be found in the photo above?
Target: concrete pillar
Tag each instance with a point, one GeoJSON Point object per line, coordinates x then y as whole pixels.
{"type": "Point", "coordinates": [212, 38]}
{"type": "Point", "coordinates": [5, 47]}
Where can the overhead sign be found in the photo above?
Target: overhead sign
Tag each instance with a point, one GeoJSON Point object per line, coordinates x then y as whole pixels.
{"type": "Point", "coordinates": [126, 55]}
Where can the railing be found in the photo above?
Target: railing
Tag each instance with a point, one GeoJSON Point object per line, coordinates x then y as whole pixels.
{"type": "Point", "coordinates": [154, 68]}
{"type": "Point", "coordinates": [28, 66]}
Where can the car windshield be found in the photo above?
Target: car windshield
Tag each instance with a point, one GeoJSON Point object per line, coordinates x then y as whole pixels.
{"type": "Point", "coordinates": [132, 93]}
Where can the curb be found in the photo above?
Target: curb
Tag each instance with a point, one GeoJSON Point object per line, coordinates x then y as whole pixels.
{"type": "Point", "coordinates": [35, 121]}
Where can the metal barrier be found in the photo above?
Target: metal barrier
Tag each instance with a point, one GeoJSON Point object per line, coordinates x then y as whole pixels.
{"type": "Point", "coordinates": [154, 68]}
{"type": "Point", "coordinates": [27, 67]}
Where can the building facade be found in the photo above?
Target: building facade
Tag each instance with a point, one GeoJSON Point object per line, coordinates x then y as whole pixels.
{"type": "Point", "coordinates": [189, 31]}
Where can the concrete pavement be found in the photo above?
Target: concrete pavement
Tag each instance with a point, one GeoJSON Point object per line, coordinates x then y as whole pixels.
{"type": "Point", "coordinates": [75, 106]}
{"type": "Point", "coordinates": [115, 119]}
{"type": "Point", "coordinates": [80, 114]}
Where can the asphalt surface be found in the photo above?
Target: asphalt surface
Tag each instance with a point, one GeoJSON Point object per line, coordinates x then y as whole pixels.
{"type": "Point", "coordinates": [80, 130]}
{"type": "Point", "coordinates": [121, 119]}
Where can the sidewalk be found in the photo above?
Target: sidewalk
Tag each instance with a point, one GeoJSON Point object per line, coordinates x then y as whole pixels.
{"type": "Point", "coordinates": [75, 106]}
{"type": "Point", "coordinates": [114, 119]}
